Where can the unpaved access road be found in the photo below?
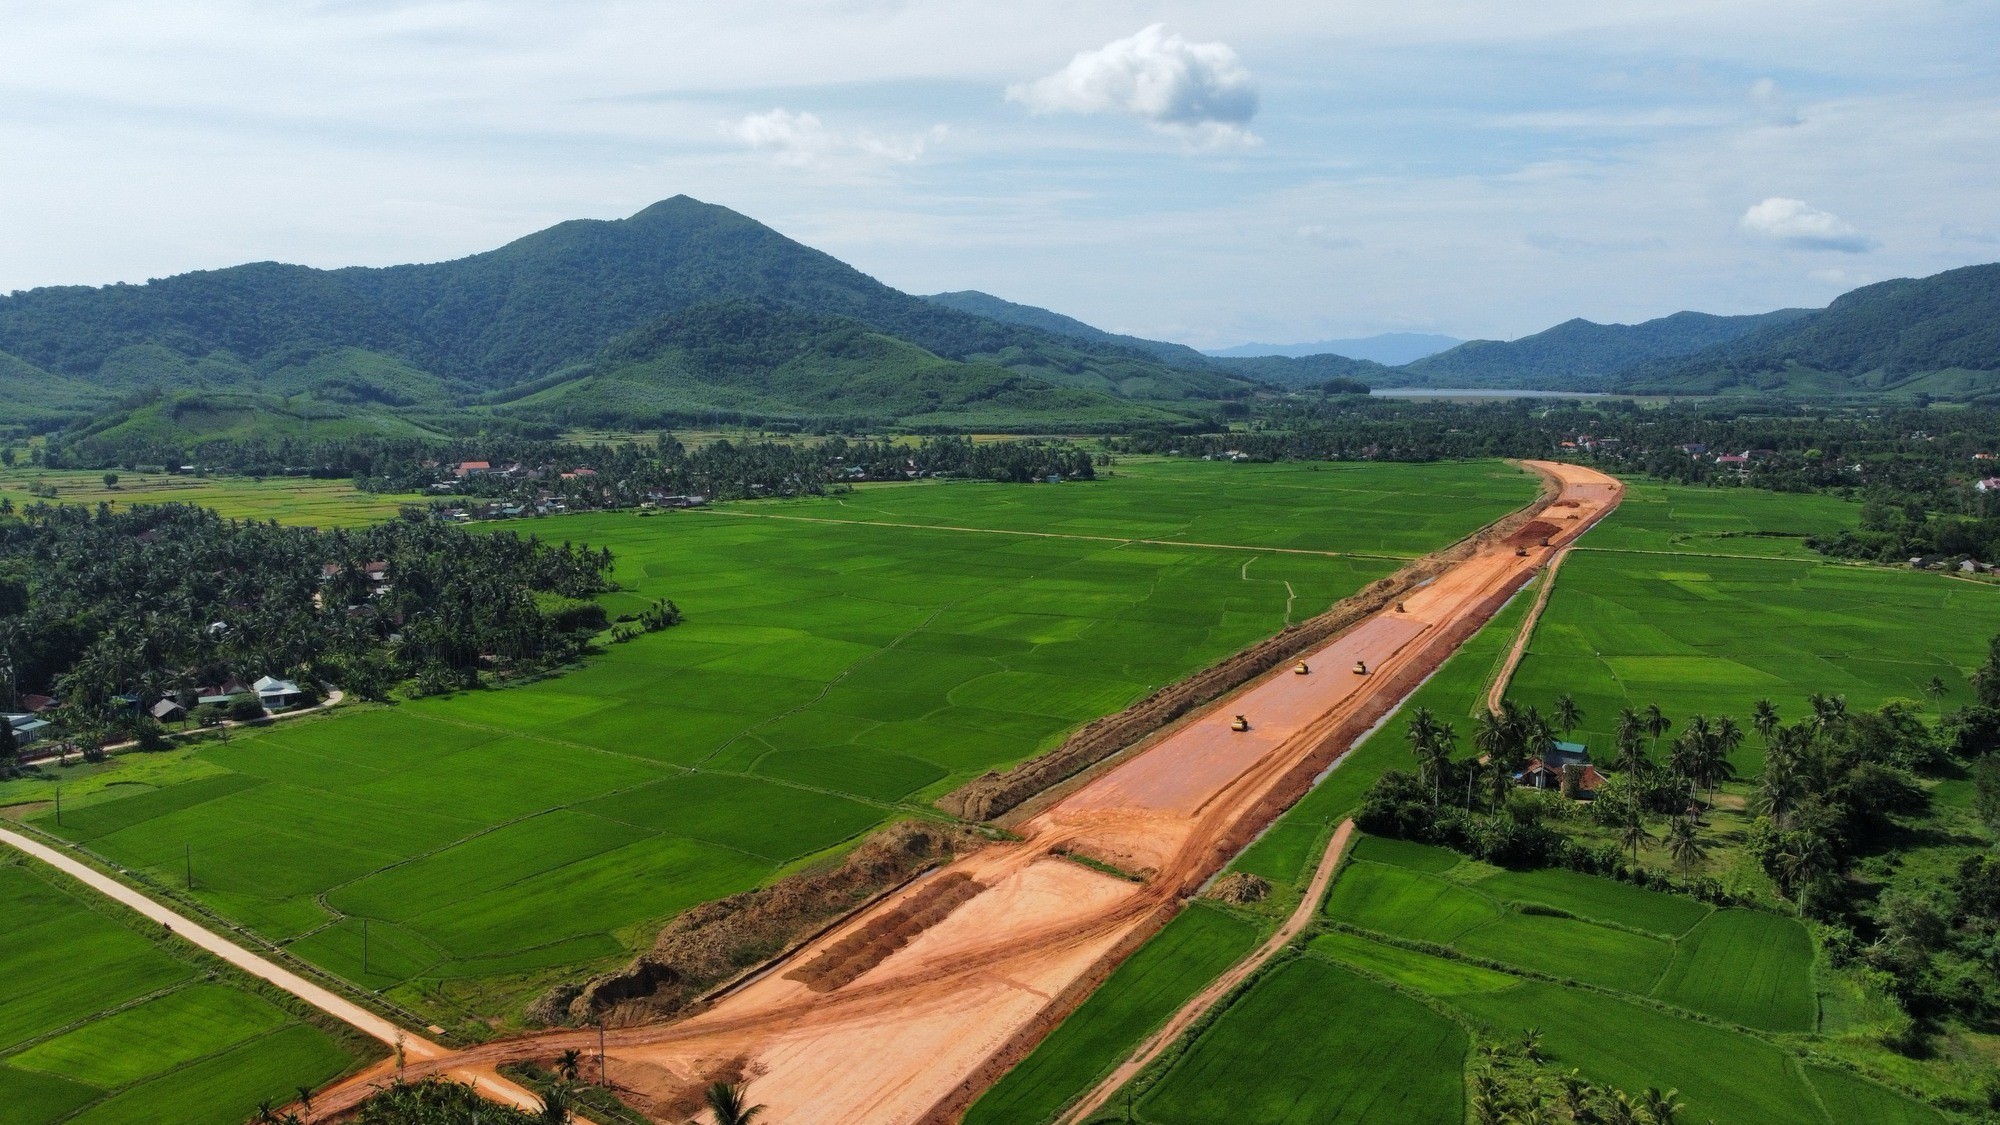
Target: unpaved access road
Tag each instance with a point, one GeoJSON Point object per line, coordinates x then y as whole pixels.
{"type": "Point", "coordinates": [1192, 1011]}
{"type": "Point", "coordinates": [925, 1027]}
{"type": "Point", "coordinates": [416, 1049]}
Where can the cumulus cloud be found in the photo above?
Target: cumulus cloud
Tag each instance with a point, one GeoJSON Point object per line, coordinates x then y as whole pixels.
{"type": "Point", "coordinates": [802, 139]}
{"type": "Point", "coordinates": [1795, 222]}
{"type": "Point", "coordinates": [1198, 91]}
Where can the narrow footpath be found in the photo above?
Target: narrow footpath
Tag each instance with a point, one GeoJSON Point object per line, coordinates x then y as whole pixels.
{"type": "Point", "coordinates": [415, 1047]}
{"type": "Point", "coordinates": [1192, 1012]}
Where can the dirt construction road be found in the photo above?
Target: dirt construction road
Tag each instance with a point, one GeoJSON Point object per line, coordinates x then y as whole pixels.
{"type": "Point", "coordinates": [849, 1031]}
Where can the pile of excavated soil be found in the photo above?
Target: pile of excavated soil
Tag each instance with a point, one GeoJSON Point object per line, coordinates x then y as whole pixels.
{"type": "Point", "coordinates": [1532, 533]}
{"type": "Point", "coordinates": [1240, 888]}
{"type": "Point", "coordinates": [708, 944]}
{"type": "Point", "coordinates": [869, 946]}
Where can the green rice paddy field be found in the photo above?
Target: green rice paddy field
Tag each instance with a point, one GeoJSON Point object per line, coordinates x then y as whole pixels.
{"type": "Point", "coordinates": [105, 1020]}
{"type": "Point", "coordinates": [830, 676]}
{"type": "Point", "coordinates": [1627, 626]}
{"type": "Point", "coordinates": [1404, 1018]}
{"type": "Point", "coordinates": [292, 500]}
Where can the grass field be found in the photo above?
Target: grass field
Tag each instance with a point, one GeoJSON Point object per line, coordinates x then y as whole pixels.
{"type": "Point", "coordinates": [108, 1023]}
{"type": "Point", "coordinates": [291, 500]}
{"type": "Point", "coordinates": [1191, 951]}
{"type": "Point", "coordinates": [1298, 1050]}
{"type": "Point", "coordinates": [829, 676]}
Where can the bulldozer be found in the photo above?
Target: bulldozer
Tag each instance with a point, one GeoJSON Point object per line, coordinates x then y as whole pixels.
{"type": "Point", "coordinates": [1240, 724]}
{"type": "Point", "coordinates": [1361, 667]}
{"type": "Point", "coordinates": [1302, 670]}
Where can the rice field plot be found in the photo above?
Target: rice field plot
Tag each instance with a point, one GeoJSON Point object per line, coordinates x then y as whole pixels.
{"type": "Point", "coordinates": [1744, 966]}
{"type": "Point", "coordinates": [1362, 506]}
{"type": "Point", "coordinates": [1747, 967]}
{"type": "Point", "coordinates": [1714, 635]}
{"type": "Point", "coordinates": [1849, 1097]}
{"type": "Point", "coordinates": [829, 676]}
{"type": "Point", "coordinates": [1151, 985]}
{"type": "Point", "coordinates": [1749, 522]}
{"type": "Point", "coordinates": [291, 500]}
{"type": "Point", "coordinates": [1723, 1076]}
{"type": "Point", "coordinates": [1297, 1049]}
{"type": "Point", "coordinates": [103, 1014]}
{"type": "Point", "coordinates": [1287, 851]}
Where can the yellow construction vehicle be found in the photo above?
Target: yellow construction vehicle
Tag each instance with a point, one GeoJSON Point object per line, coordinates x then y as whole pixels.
{"type": "Point", "coordinates": [1241, 723]}
{"type": "Point", "coordinates": [1361, 667]}
{"type": "Point", "coordinates": [1301, 670]}
{"type": "Point", "coordinates": [1399, 607]}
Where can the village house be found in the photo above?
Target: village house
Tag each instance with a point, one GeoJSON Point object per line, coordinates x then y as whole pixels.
{"type": "Point", "coordinates": [276, 694]}
{"type": "Point", "coordinates": [1546, 771]}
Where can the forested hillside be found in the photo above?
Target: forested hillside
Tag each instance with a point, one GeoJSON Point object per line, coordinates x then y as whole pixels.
{"type": "Point", "coordinates": [422, 334]}
{"type": "Point", "coordinates": [1580, 354]}
{"type": "Point", "coordinates": [1938, 335]}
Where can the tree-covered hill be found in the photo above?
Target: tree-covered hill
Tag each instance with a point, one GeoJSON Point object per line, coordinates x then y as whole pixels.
{"type": "Point", "coordinates": [728, 360]}
{"type": "Point", "coordinates": [521, 313]}
{"type": "Point", "coordinates": [1581, 354]}
{"type": "Point", "coordinates": [1937, 334]}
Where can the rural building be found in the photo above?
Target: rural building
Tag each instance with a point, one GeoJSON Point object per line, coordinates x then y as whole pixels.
{"type": "Point", "coordinates": [168, 711]}
{"type": "Point", "coordinates": [27, 728]}
{"type": "Point", "coordinates": [472, 469]}
{"type": "Point", "coordinates": [1546, 772]}
{"type": "Point", "coordinates": [276, 694]}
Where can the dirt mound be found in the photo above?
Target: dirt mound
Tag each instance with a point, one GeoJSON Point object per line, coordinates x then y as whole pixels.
{"type": "Point", "coordinates": [1567, 504]}
{"type": "Point", "coordinates": [869, 946]}
{"type": "Point", "coordinates": [994, 793]}
{"type": "Point", "coordinates": [1532, 533]}
{"type": "Point", "coordinates": [1241, 888]}
{"type": "Point", "coordinates": [711, 943]}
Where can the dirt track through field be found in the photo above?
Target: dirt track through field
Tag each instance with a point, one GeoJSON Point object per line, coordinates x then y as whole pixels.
{"type": "Point", "coordinates": [924, 1027]}
{"type": "Point", "coordinates": [1519, 649]}
{"type": "Point", "coordinates": [1191, 1012]}
{"type": "Point", "coordinates": [416, 1049]}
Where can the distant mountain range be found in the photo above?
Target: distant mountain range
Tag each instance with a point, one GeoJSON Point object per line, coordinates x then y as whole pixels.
{"type": "Point", "coordinates": [1391, 348]}
{"type": "Point", "coordinates": [688, 312]}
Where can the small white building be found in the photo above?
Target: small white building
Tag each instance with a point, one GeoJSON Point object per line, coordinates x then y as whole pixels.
{"type": "Point", "coordinates": [276, 694]}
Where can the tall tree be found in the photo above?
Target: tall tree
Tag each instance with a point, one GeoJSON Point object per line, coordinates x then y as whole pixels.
{"type": "Point", "coordinates": [1568, 715]}
{"type": "Point", "coordinates": [1764, 718]}
{"type": "Point", "coordinates": [1656, 723]}
{"type": "Point", "coordinates": [726, 1102]}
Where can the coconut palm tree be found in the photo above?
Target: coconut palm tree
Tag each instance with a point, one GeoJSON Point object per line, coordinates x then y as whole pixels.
{"type": "Point", "coordinates": [1936, 689]}
{"type": "Point", "coordinates": [1828, 710]}
{"type": "Point", "coordinates": [1661, 1109]}
{"type": "Point", "coordinates": [725, 1101]}
{"type": "Point", "coordinates": [1633, 835]}
{"type": "Point", "coordinates": [1568, 715]}
{"type": "Point", "coordinates": [1656, 723]}
{"type": "Point", "coordinates": [1632, 751]}
{"type": "Point", "coordinates": [569, 1064]}
{"type": "Point", "coordinates": [1764, 718]}
{"type": "Point", "coordinates": [1778, 790]}
{"type": "Point", "coordinates": [1684, 846]}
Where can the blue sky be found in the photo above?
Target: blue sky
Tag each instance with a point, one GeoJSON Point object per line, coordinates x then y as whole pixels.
{"type": "Point", "coordinates": [1204, 172]}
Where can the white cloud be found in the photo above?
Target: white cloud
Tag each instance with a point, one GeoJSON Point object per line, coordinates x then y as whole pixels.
{"type": "Point", "coordinates": [1798, 223]}
{"type": "Point", "coordinates": [1198, 91]}
{"type": "Point", "coordinates": [1772, 104]}
{"type": "Point", "coordinates": [802, 139]}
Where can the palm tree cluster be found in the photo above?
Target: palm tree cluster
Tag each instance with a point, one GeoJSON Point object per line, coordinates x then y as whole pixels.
{"type": "Point", "coordinates": [1514, 1084]}
{"type": "Point", "coordinates": [158, 601]}
{"type": "Point", "coordinates": [440, 1101]}
{"type": "Point", "coordinates": [1830, 786]}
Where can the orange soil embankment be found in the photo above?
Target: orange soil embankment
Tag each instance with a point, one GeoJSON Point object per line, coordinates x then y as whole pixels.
{"type": "Point", "coordinates": [922, 1031]}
